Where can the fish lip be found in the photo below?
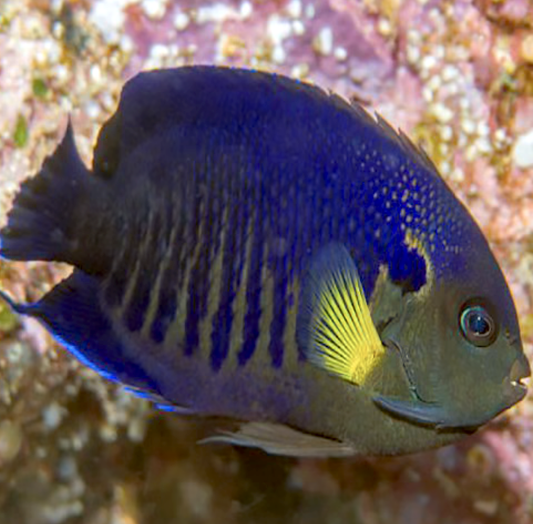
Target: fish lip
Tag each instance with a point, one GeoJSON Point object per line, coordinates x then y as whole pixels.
{"type": "Point", "coordinates": [516, 390]}
{"type": "Point", "coordinates": [520, 369]}
{"type": "Point", "coordinates": [517, 384]}
{"type": "Point", "coordinates": [521, 390]}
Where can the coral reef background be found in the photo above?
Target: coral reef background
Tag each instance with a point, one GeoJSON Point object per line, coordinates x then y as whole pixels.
{"type": "Point", "coordinates": [457, 76]}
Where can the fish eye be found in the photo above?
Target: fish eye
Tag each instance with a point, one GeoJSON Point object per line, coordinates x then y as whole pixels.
{"type": "Point", "coordinates": [477, 325]}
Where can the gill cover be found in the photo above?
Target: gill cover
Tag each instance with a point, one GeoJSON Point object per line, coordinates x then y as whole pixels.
{"type": "Point", "coordinates": [454, 382]}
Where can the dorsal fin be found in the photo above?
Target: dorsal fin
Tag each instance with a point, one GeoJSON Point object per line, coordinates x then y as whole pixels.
{"type": "Point", "coordinates": [210, 96]}
{"type": "Point", "coordinates": [412, 150]}
{"type": "Point", "coordinates": [153, 101]}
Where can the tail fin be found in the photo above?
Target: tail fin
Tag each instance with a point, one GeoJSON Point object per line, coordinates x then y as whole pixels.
{"type": "Point", "coordinates": [38, 223]}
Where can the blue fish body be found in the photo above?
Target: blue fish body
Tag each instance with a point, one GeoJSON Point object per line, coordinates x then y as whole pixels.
{"type": "Point", "coordinates": [212, 194]}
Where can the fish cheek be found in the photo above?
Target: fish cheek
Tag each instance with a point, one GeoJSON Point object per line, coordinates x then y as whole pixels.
{"type": "Point", "coordinates": [422, 342]}
{"type": "Point", "coordinates": [390, 376]}
{"type": "Point", "coordinates": [465, 381]}
{"type": "Point", "coordinates": [476, 378]}
{"type": "Point", "coordinates": [439, 357]}
{"type": "Point", "coordinates": [410, 329]}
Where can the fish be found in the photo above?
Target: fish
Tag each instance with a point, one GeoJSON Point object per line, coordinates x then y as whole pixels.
{"type": "Point", "coordinates": [256, 249]}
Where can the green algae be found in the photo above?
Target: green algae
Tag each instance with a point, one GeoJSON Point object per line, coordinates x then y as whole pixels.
{"type": "Point", "coordinates": [8, 320]}
{"type": "Point", "coordinates": [39, 88]}
{"type": "Point", "coordinates": [21, 133]}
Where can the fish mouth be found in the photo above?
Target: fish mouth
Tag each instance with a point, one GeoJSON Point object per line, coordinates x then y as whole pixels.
{"type": "Point", "coordinates": [516, 388]}
{"type": "Point", "coordinates": [519, 388]}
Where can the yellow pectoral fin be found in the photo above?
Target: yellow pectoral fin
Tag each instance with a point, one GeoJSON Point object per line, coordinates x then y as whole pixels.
{"type": "Point", "coordinates": [335, 327]}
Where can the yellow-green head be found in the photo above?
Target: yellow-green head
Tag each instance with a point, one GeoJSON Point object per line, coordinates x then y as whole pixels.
{"type": "Point", "coordinates": [460, 344]}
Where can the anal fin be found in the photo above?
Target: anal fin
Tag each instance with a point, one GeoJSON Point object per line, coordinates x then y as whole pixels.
{"type": "Point", "coordinates": [278, 439]}
{"type": "Point", "coordinates": [160, 402]}
{"type": "Point", "coordinates": [71, 311]}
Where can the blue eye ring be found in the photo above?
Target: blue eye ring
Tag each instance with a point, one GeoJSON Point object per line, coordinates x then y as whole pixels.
{"type": "Point", "coordinates": [477, 325]}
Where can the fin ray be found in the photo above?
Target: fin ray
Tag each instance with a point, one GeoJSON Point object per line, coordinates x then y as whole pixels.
{"type": "Point", "coordinates": [335, 328]}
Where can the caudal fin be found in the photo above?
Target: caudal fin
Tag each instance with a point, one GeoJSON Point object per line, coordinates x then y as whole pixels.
{"type": "Point", "coordinates": [39, 221]}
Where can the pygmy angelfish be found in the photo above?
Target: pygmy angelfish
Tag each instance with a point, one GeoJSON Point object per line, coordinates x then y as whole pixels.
{"type": "Point", "coordinates": [252, 247]}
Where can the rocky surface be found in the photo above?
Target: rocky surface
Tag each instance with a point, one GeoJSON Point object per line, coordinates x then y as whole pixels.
{"type": "Point", "coordinates": [455, 75]}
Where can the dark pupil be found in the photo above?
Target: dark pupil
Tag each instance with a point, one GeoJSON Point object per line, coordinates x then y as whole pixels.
{"type": "Point", "coordinates": [477, 323]}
